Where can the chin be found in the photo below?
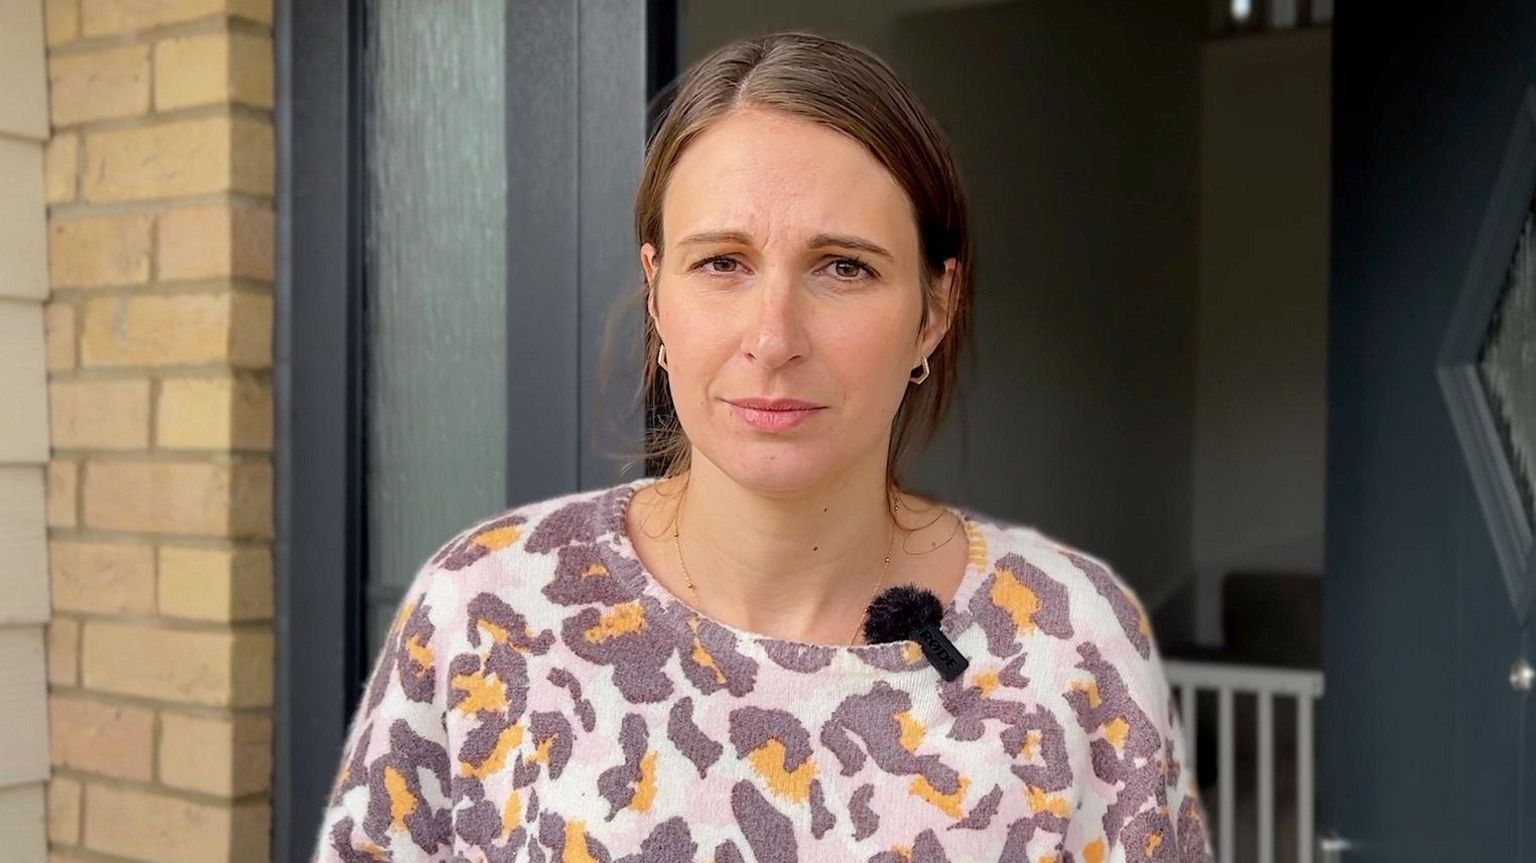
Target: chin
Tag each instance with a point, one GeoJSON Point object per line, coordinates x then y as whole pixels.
{"type": "Point", "coordinates": [777, 467]}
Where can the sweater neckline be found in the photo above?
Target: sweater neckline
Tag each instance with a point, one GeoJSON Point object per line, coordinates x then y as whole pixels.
{"type": "Point", "coordinates": [679, 613]}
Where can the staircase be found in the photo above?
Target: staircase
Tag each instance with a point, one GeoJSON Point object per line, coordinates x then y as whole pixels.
{"type": "Point", "coordinates": [1249, 708]}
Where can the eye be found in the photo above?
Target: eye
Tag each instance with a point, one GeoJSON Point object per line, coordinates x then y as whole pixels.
{"type": "Point", "coordinates": [852, 269]}
{"type": "Point", "coordinates": [708, 265]}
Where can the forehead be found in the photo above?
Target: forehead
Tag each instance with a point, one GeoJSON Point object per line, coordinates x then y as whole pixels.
{"type": "Point", "coordinates": [782, 177]}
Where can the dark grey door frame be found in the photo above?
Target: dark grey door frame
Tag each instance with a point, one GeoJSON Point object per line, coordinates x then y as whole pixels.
{"type": "Point", "coordinates": [580, 75]}
{"type": "Point", "coordinates": [320, 546]}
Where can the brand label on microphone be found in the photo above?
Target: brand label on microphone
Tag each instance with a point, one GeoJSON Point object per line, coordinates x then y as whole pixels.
{"type": "Point", "coordinates": [941, 652]}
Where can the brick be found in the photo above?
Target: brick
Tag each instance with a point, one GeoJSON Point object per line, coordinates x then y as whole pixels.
{"type": "Point", "coordinates": [61, 160]}
{"type": "Point", "coordinates": [150, 825]}
{"type": "Point", "coordinates": [61, 21]}
{"type": "Point", "coordinates": [97, 85]}
{"type": "Point", "coordinates": [99, 414]}
{"type": "Point", "coordinates": [231, 328]}
{"type": "Point", "coordinates": [216, 584]}
{"type": "Point", "coordinates": [180, 497]}
{"type": "Point", "coordinates": [222, 755]}
{"type": "Point", "coordinates": [251, 70]}
{"type": "Point", "coordinates": [254, 157]}
{"type": "Point", "coordinates": [216, 242]}
{"type": "Point", "coordinates": [213, 68]}
{"type": "Point", "coordinates": [251, 337]}
{"type": "Point", "coordinates": [63, 651]}
{"type": "Point", "coordinates": [182, 157]}
{"type": "Point", "coordinates": [97, 251]}
{"type": "Point", "coordinates": [63, 483]}
{"type": "Point", "coordinates": [59, 330]}
{"type": "Point", "coordinates": [251, 505]}
{"type": "Point", "coordinates": [221, 668]}
{"type": "Point", "coordinates": [214, 413]}
{"type": "Point", "coordinates": [102, 577]}
{"type": "Point", "coordinates": [108, 17]}
{"type": "Point", "coordinates": [63, 810]}
{"type": "Point", "coordinates": [110, 739]}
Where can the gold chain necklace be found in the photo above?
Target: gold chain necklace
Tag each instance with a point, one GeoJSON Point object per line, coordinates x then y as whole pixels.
{"type": "Point", "coordinates": [852, 639]}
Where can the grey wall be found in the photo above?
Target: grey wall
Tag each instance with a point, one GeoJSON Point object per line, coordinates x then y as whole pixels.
{"type": "Point", "coordinates": [708, 24]}
{"type": "Point", "coordinates": [1076, 125]}
{"type": "Point", "coordinates": [1261, 399]}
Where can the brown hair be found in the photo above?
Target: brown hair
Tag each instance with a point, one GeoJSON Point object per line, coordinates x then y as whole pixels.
{"type": "Point", "coordinates": [847, 88]}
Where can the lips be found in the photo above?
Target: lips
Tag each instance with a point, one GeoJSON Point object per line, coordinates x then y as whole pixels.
{"type": "Point", "coordinates": [774, 414]}
{"type": "Point", "coordinates": [774, 404]}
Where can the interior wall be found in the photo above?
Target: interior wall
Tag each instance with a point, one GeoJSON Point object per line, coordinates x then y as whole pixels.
{"type": "Point", "coordinates": [1076, 130]}
{"type": "Point", "coordinates": [707, 24]}
{"type": "Point", "coordinates": [1260, 408]}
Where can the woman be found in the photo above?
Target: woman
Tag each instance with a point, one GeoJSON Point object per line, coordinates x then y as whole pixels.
{"type": "Point", "coordinates": [673, 669]}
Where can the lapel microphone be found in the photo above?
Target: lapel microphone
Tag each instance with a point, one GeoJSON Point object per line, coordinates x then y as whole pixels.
{"type": "Point", "coordinates": [908, 612]}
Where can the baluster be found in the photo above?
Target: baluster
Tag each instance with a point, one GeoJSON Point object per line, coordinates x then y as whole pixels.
{"type": "Point", "coordinates": [1304, 756]}
{"type": "Point", "coordinates": [1266, 777]}
{"type": "Point", "coordinates": [1188, 716]}
{"type": "Point", "coordinates": [1225, 770]}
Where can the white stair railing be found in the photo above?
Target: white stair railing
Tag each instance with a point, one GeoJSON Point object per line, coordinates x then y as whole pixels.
{"type": "Point", "coordinates": [1265, 684]}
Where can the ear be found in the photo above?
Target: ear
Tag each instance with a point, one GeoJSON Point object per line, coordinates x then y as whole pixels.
{"type": "Point", "coordinates": [941, 313]}
{"type": "Point", "coordinates": [650, 263]}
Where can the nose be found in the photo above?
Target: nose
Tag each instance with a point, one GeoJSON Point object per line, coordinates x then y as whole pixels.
{"type": "Point", "coordinates": [774, 332]}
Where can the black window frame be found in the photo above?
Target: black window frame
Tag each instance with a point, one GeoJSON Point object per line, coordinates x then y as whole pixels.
{"type": "Point", "coordinates": [573, 118]}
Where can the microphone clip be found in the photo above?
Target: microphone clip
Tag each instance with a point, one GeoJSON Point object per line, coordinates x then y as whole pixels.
{"type": "Point", "coordinates": [908, 612]}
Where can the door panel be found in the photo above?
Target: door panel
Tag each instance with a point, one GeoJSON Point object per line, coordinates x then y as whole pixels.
{"type": "Point", "coordinates": [1424, 749]}
{"type": "Point", "coordinates": [436, 275]}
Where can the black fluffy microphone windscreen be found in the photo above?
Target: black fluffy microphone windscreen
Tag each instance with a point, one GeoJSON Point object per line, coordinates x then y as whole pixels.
{"type": "Point", "coordinates": [910, 612]}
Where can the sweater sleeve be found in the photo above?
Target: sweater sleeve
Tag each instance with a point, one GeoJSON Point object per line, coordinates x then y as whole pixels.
{"type": "Point", "coordinates": [1157, 815]}
{"type": "Point", "coordinates": [1185, 809]}
{"type": "Point", "coordinates": [391, 799]}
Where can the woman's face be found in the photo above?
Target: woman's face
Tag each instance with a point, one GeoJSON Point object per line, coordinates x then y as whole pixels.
{"type": "Point", "coordinates": [790, 271]}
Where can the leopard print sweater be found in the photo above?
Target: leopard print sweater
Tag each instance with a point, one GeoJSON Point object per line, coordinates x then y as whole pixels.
{"type": "Point", "coordinates": [541, 697]}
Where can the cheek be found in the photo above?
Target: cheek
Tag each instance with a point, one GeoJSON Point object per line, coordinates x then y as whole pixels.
{"type": "Point", "coordinates": [870, 354]}
{"type": "Point", "coordinates": [700, 346]}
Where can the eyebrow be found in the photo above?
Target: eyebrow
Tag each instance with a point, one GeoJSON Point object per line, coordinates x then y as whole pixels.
{"type": "Point", "coordinates": [819, 241]}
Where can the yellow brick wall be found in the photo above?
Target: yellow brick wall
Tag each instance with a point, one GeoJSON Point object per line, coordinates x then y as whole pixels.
{"type": "Point", "coordinates": [159, 183]}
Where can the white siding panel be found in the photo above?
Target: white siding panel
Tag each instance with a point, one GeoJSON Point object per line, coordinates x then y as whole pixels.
{"type": "Point", "coordinates": [23, 383]}
{"type": "Point", "coordinates": [23, 545]}
{"type": "Point", "coordinates": [24, 703]}
{"type": "Point", "coordinates": [23, 828]}
{"type": "Point", "coordinates": [24, 98]}
{"type": "Point", "coordinates": [23, 228]}
{"type": "Point", "coordinates": [23, 434]}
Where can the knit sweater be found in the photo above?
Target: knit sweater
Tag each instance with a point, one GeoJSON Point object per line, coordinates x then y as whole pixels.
{"type": "Point", "coordinates": [542, 697]}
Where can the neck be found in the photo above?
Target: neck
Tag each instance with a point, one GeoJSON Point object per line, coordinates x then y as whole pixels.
{"type": "Point", "coordinates": [799, 565]}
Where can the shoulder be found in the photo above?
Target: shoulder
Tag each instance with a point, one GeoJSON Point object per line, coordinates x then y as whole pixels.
{"type": "Point", "coordinates": [1068, 614]}
{"type": "Point", "coordinates": [1047, 585]}
{"type": "Point", "coordinates": [1085, 641]}
{"type": "Point", "coordinates": [537, 527]}
{"type": "Point", "coordinates": [508, 550]}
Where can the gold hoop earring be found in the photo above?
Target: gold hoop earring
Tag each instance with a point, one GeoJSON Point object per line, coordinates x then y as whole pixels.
{"type": "Point", "coordinates": [922, 377]}
{"type": "Point", "coordinates": [661, 357]}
